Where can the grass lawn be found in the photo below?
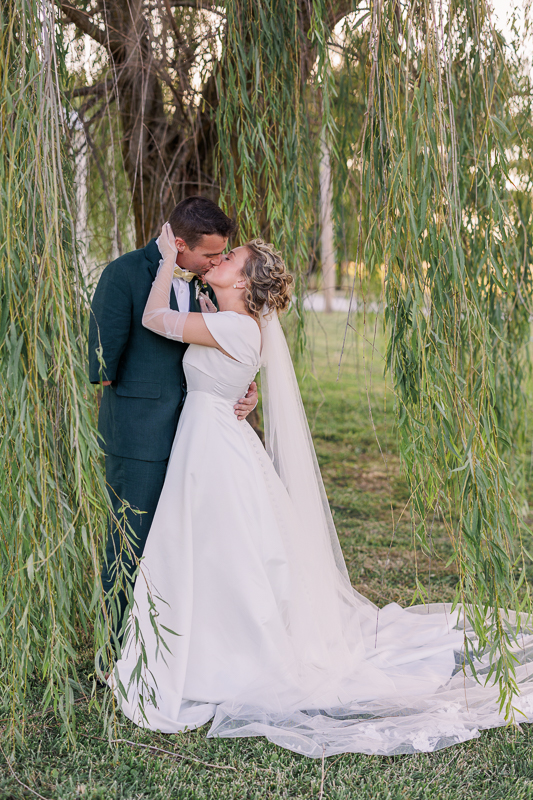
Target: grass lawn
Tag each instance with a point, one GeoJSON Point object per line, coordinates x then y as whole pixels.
{"type": "Point", "coordinates": [352, 422]}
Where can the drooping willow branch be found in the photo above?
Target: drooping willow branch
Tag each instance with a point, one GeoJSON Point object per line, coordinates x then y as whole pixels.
{"type": "Point", "coordinates": [445, 108]}
{"type": "Point", "coordinates": [51, 487]}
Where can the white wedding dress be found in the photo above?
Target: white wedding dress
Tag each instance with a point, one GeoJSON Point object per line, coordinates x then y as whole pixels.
{"type": "Point", "coordinates": [245, 582]}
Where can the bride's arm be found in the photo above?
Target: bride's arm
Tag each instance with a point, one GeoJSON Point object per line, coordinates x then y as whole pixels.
{"type": "Point", "coordinates": [183, 326]}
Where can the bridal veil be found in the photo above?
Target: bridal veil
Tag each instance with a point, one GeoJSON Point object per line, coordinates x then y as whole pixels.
{"type": "Point", "coordinates": [244, 564]}
{"type": "Point", "coordinates": [381, 681]}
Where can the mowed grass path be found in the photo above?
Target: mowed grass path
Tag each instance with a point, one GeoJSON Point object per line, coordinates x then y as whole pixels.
{"type": "Point", "coordinates": [371, 506]}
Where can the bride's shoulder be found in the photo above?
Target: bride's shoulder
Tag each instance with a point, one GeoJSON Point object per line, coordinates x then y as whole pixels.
{"type": "Point", "coordinates": [240, 332]}
{"type": "Point", "coordinates": [246, 324]}
{"type": "Point", "coordinates": [239, 320]}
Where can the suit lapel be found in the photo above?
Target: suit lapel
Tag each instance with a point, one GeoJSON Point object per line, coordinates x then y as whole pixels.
{"type": "Point", "coordinates": [153, 257]}
{"type": "Point", "coordinates": [194, 305]}
{"type": "Point", "coordinates": [212, 295]}
{"type": "Point", "coordinates": [173, 300]}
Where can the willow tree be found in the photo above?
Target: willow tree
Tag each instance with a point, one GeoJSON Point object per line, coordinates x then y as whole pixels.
{"type": "Point", "coordinates": [166, 68]}
{"type": "Point", "coordinates": [51, 487]}
{"type": "Point", "coordinates": [426, 196]}
{"type": "Point", "coordinates": [443, 144]}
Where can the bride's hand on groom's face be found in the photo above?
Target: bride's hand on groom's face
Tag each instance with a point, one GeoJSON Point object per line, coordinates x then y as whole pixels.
{"type": "Point", "coordinates": [246, 403]}
{"type": "Point", "coordinates": [167, 242]}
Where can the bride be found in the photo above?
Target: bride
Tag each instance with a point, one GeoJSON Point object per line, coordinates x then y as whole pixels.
{"type": "Point", "coordinates": [244, 613]}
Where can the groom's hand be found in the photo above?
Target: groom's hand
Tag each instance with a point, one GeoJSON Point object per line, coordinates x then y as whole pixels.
{"type": "Point", "coordinates": [246, 403]}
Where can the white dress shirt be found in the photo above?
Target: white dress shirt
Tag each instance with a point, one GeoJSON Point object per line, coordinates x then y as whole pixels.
{"type": "Point", "coordinates": [182, 292]}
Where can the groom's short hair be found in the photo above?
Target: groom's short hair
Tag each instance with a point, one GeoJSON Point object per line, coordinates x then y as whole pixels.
{"type": "Point", "coordinates": [197, 216]}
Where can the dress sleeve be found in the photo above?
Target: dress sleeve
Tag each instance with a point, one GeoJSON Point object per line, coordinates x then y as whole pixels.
{"type": "Point", "coordinates": [237, 334]}
{"type": "Point", "coordinates": [158, 316]}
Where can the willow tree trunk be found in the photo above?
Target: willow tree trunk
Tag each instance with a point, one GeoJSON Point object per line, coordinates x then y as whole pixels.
{"type": "Point", "coordinates": [168, 122]}
{"type": "Point", "coordinates": [166, 156]}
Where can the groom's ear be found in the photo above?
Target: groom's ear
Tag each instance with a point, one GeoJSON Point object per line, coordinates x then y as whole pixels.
{"type": "Point", "coordinates": [181, 244]}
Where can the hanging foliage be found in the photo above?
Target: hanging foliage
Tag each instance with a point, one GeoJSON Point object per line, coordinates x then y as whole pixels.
{"type": "Point", "coordinates": [430, 203]}
{"type": "Point", "coordinates": [51, 483]}
{"type": "Point", "coordinates": [426, 118]}
{"type": "Point", "coordinates": [275, 88]}
{"type": "Point", "coordinates": [448, 109]}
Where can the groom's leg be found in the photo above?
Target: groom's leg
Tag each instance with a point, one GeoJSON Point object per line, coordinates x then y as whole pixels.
{"type": "Point", "coordinates": [133, 486]}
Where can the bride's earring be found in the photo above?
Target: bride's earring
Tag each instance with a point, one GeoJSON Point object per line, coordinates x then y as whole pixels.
{"type": "Point", "coordinates": [234, 285]}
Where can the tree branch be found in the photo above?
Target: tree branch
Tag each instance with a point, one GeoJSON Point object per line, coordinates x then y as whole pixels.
{"type": "Point", "coordinates": [97, 88]}
{"type": "Point", "coordinates": [84, 23]}
{"type": "Point", "coordinates": [339, 10]}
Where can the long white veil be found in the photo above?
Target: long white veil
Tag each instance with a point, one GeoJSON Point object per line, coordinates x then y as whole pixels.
{"type": "Point", "coordinates": [319, 669]}
{"type": "Point", "coordinates": [288, 438]}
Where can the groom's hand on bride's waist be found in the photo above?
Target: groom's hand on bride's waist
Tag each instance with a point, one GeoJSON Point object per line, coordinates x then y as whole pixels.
{"type": "Point", "coordinates": [242, 407]}
{"type": "Point", "coordinates": [247, 403]}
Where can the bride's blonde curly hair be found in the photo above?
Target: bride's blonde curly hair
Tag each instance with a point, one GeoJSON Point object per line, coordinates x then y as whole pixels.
{"type": "Point", "coordinates": [267, 280]}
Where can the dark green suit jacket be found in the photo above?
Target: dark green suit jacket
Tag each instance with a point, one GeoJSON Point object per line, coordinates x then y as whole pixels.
{"type": "Point", "coordinates": [139, 412]}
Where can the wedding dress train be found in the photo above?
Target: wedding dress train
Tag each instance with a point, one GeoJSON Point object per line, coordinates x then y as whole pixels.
{"type": "Point", "coordinates": [245, 581]}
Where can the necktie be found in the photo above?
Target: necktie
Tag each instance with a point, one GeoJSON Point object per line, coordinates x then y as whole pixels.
{"type": "Point", "coordinates": [184, 274]}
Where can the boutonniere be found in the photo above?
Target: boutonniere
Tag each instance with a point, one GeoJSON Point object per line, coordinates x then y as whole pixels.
{"type": "Point", "coordinates": [201, 286]}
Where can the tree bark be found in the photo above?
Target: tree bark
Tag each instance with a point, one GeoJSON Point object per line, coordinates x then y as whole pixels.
{"type": "Point", "coordinates": [167, 141]}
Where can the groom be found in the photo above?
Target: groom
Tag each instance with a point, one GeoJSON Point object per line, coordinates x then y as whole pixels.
{"type": "Point", "coordinates": [142, 377]}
